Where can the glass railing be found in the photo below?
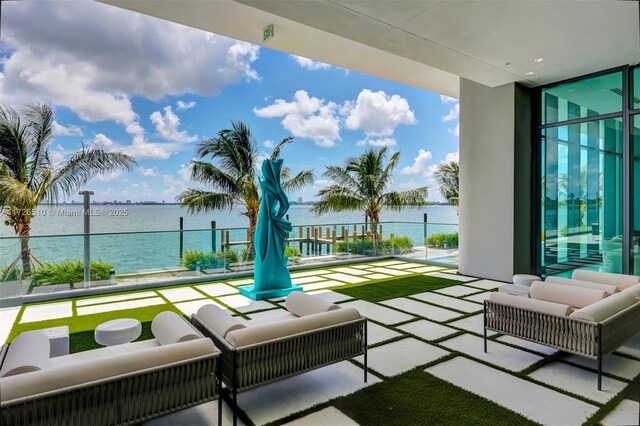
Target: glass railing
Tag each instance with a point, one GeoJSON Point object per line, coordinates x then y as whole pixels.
{"type": "Point", "coordinates": [145, 258]}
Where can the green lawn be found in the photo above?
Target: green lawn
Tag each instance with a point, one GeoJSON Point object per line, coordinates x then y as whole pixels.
{"type": "Point", "coordinates": [399, 287]}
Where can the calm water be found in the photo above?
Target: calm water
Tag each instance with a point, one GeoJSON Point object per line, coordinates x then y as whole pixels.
{"type": "Point", "coordinates": [160, 250]}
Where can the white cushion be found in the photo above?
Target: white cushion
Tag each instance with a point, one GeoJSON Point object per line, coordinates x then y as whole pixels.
{"type": "Point", "coordinates": [603, 309]}
{"type": "Point", "coordinates": [609, 289]}
{"type": "Point", "coordinates": [619, 280]}
{"type": "Point", "coordinates": [97, 354]}
{"type": "Point", "coordinates": [96, 369]}
{"type": "Point", "coordinates": [541, 306]}
{"type": "Point", "coordinates": [168, 327]}
{"type": "Point", "coordinates": [573, 296]}
{"type": "Point", "coordinates": [275, 330]}
{"type": "Point", "coordinates": [28, 352]}
{"type": "Point", "coordinates": [633, 290]}
{"type": "Point", "coordinates": [301, 304]}
{"type": "Point", "coordinates": [219, 319]}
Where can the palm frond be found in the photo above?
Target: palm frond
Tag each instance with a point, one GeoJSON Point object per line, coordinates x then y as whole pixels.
{"type": "Point", "coordinates": [299, 181]}
{"type": "Point", "coordinates": [197, 200]}
{"type": "Point", "coordinates": [278, 148]}
{"type": "Point", "coordinates": [16, 194]}
{"type": "Point", "coordinates": [40, 129]}
{"type": "Point", "coordinates": [208, 174]}
{"type": "Point", "coordinates": [396, 200]}
{"type": "Point", "coordinates": [335, 198]}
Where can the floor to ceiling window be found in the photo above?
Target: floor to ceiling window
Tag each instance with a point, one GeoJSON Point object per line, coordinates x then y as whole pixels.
{"type": "Point", "coordinates": [587, 195]}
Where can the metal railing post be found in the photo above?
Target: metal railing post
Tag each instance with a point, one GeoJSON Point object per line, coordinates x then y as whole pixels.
{"type": "Point", "coordinates": [213, 236]}
{"type": "Point", "coordinates": [87, 236]}
{"type": "Point", "coordinates": [426, 256]}
{"type": "Point", "coordinates": [181, 236]}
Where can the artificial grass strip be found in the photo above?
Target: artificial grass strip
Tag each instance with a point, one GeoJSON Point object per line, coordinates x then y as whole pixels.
{"type": "Point", "coordinates": [417, 397]}
{"type": "Point", "coordinates": [85, 340]}
{"type": "Point", "coordinates": [392, 288]}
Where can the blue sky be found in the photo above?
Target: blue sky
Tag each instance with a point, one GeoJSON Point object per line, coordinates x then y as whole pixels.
{"type": "Point", "coordinates": [154, 89]}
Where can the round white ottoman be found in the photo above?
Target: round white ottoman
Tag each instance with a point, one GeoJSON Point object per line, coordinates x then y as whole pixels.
{"type": "Point", "coordinates": [525, 280]}
{"type": "Point", "coordinates": [118, 331]}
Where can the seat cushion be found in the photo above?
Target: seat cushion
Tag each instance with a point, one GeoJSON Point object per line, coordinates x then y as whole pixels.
{"type": "Point", "coordinates": [619, 280]}
{"type": "Point", "coordinates": [168, 327]}
{"type": "Point", "coordinates": [573, 296]}
{"type": "Point", "coordinates": [218, 319]}
{"type": "Point", "coordinates": [100, 353]}
{"type": "Point", "coordinates": [28, 352]}
{"type": "Point", "coordinates": [609, 289]}
{"type": "Point", "coordinates": [606, 308]}
{"type": "Point", "coordinates": [541, 306]}
{"type": "Point", "coordinates": [302, 304]}
{"type": "Point", "coordinates": [262, 333]}
{"type": "Point", "coordinates": [634, 291]}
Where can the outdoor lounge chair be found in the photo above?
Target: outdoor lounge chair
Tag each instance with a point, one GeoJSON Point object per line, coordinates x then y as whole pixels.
{"type": "Point", "coordinates": [599, 327]}
{"type": "Point", "coordinates": [116, 385]}
{"type": "Point", "coordinates": [314, 334]}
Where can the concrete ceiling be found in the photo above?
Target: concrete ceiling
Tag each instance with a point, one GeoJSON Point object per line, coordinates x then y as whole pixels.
{"type": "Point", "coordinates": [429, 43]}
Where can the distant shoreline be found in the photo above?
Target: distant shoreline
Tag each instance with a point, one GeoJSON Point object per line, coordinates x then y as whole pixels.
{"type": "Point", "coordinates": [161, 203]}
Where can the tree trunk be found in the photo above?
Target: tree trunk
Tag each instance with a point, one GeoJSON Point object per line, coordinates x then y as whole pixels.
{"type": "Point", "coordinates": [23, 230]}
{"type": "Point", "coordinates": [253, 222]}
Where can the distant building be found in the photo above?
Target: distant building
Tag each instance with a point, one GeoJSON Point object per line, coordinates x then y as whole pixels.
{"type": "Point", "coordinates": [128, 201]}
{"type": "Point", "coordinates": [299, 200]}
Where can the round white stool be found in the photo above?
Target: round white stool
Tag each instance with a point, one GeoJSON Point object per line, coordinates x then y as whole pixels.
{"type": "Point", "coordinates": [525, 280]}
{"type": "Point", "coordinates": [118, 331]}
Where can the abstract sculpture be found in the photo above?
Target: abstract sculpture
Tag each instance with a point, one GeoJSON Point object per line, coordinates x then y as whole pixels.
{"type": "Point", "coordinates": [271, 276]}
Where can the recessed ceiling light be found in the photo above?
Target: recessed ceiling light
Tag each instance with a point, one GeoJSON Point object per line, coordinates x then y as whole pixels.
{"type": "Point", "coordinates": [529, 73]}
{"type": "Point", "coordinates": [538, 60]}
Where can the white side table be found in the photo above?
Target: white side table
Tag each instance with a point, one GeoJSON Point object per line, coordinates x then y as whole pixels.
{"type": "Point", "coordinates": [118, 331]}
{"type": "Point", "coordinates": [58, 339]}
{"type": "Point", "coordinates": [524, 280]}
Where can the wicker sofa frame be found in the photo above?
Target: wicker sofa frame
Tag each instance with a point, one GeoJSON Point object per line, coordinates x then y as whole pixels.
{"type": "Point", "coordinates": [589, 339]}
{"type": "Point", "coordinates": [120, 400]}
{"type": "Point", "coordinates": [250, 366]}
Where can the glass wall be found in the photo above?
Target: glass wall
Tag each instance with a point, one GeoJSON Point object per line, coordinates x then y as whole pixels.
{"type": "Point", "coordinates": [582, 150]}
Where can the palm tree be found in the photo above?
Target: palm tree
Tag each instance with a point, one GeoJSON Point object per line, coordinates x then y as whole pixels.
{"type": "Point", "coordinates": [362, 184]}
{"type": "Point", "coordinates": [448, 177]}
{"type": "Point", "coordinates": [28, 177]}
{"type": "Point", "coordinates": [234, 177]}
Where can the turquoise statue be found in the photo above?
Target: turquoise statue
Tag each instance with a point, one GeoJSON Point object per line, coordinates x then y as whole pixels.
{"type": "Point", "coordinates": [271, 276]}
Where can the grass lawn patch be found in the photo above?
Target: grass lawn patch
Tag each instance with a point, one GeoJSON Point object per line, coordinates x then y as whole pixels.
{"type": "Point", "coordinates": [85, 341]}
{"type": "Point", "coordinates": [377, 291]}
{"type": "Point", "coordinates": [416, 397]}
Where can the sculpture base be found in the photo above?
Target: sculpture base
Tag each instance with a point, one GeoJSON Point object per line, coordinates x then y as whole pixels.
{"type": "Point", "coordinates": [267, 294]}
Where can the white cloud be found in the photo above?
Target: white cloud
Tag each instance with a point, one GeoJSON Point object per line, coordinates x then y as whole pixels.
{"type": "Point", "coordinates": [57, 156]}
{"type": "Point", "coordinates": [377, 142]}
{"type": "Point", "coordinates": [172, 186]}
{"type": "Point", "coordinates": [455, 130]}
{"type": "Point", "coordinates": [377, 113]}
{"type": "Point", "coordinates": [153, 151]}
{"type": "Point", "coordinates": [269, 143]}
{"type": "Point", "coordinates": [310, 64]}
{"type": "Point", "coordinates": [151, 171]}
{"type": "Point", "coordinates": [420, 165]}
{"type": "Point", "coordinates": [306, 117]}
{"type": "Point", "coordinates": [102, 141]}
{"type": "Point", "coordinates": [185, 105]}
{"type": "Point", "coordinates": [185, 172]}
{"type": "Point", "coordinates": [321, 183]}
{"type": "Point", "coordinates": [109, 177]}
{"type": "Point", "coordinates": [167, 126]}
{"type": "Point", "coordinates": [59, 130]}
{"type": "Point", "coordinates": [447, 99]}
{"type": "Point", "coordinates": [452, 156]}
{"type": "Point", "coordinates": [454, 113]}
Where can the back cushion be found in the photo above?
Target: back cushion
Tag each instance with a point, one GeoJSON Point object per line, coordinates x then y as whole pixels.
{"type": "Point", "coordinates": [270, 331]}
{"type": "Point", "coordinates": [609, 289]}
{"type": "Point", "coordinates": [573, 296]}
{"type": "Point", "coordinates": [168, 327]}
{"type": "Point", "coordinates": [619, 280]}
{"type": "Point", "coordinates": [301, 304]}
{"type": "Point", "coordinates": [219, 320]}
{"type": "Point", "coordinates": [605, 308]}
{"type": "Point", "coordinates": [28, 352]}
{"type": "Point", "coordinates": [634, 291]}
{"type": "Point", "coordinates": [541, 306]}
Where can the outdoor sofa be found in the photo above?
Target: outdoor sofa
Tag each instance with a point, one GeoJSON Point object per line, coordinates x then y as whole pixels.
{"type": "Point", "coordinates": [115, 385]}
{"type": "Point", "coordinates": [574, 315]}
{"type": "Point", "coordinates": [313, 334]}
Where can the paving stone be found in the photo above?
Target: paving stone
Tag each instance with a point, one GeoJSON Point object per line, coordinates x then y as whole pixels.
{"type": "Point", "coordinates": [424, 269]}
{"type": "Point", "coordinates": [397, 357]}
{"type": "Point", "coordinates": [497, 353]}
{"type": "Point", "coordinates": [480, 297]}
{"type": "Point", "coordinates": [631, 348]}
{"type": "Point", "coordinates": [427, 330]}
{"type": "Point", "coordinates": [388, 271]}
{"type": "Point", "coordinates": [309, 273]}
{"type": "Point", "coordinates": [536, 347]}
{"type": "Point", "coordinates": [243, 304]}
{"type": "Point", "coordinates": [217, 289]}
{"type": "Point", "coordinates": [307, 279]}
{"type": "Point", "coordinates": [118, 298]}
{"type": "Point", "coordinates": [625, 413]}
{"type": "Point", "coordinates": [330, 296]}
{"type": "Point", "coordinates": [578, 381]}
{"type": "Point", "coordinates": [180, 294]}
{"type": "Point", "coordinates": [47, 311]}
{"type": "Point", "coordinates": [346, 278]}
{"type": "Point", "coordinates": [388, 263]}
{"type": "Point", "coordinates": [451, 271]}
{"type": "Point", "coordinates": [8, 317]}
{"type": "Point", "coordinates": [533, 401]}
{"type": "Point", "coordinates": [406, 265]}
{"type": "Point", "coordinates": [486, 284]}
{"type": "Point", "coordinates": [321, 284]}
{"type": "Point", "coordinates": [474, 323]}
{"type": "Point", "coordinates": [274, 401]}
{"type": "Point", "coordinates": [192, 307]}
{"type": "Point", "coordinates": [327, 416]}
{"type": "Point", "coordinates": [377, 312]}
{"type": "Point", "coordinates": [270, 316]}
{"type": "Point", "coordinates": [119, 306]}
{"type": "Point", "coordinates": [378, 334]}
{"type": "Point", "coordinates": [377, 276]}
{"type": "Point", "coordinates": [457, 290]}
{"type": "Point", "coordinates": [365, 266]}
{"type": "Point", "coordinates": [241, 282]}
{"type": "Point", "coordinates": [200, 415]}
{"type": "Point", "coordinates": [422, 309]}
{"type": "Point", "coordinates": [462, 278]}
{"type": "Point", "coordinates": [612, 364]}
{"type": "Point", "coordinates": [448, 302]}
{"type": "Point", "coordinates": [351, 271]}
